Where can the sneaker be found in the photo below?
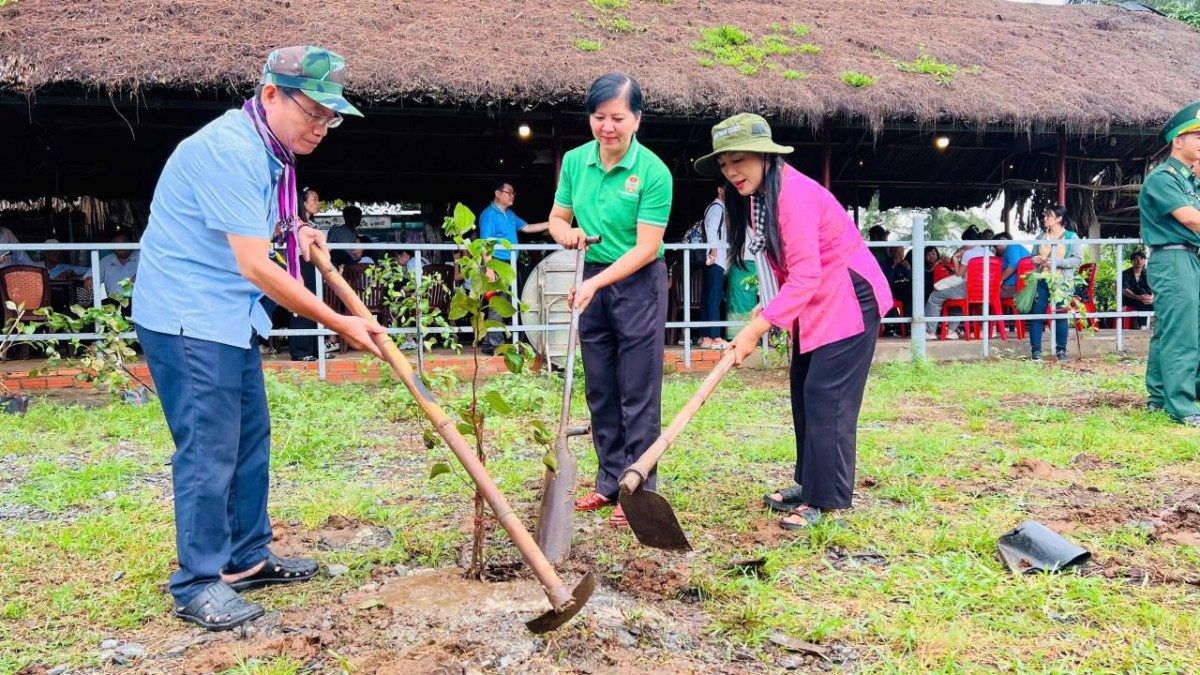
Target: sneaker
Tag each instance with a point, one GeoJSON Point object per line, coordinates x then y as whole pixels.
{"type": "Point", "coordinates": [1189, 421]}
{"type": "Point", "coordinates": [408, 345]}
{"type": "Point", "coordinates": [1153, 407]}
{"type": "Point", "coordinates": [1035, 356]}
{"type": "Point", "coordinates": [1061, 355]}
{"type": "Point", "coordinates": [953, 335]}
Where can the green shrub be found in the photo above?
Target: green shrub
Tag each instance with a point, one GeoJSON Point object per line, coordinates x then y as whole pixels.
{"type": "Point", "coordinates": [858, 80]}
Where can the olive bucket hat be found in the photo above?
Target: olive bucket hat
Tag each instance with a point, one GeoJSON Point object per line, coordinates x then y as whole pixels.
{"type": "Point", "coordinates": [316, 71]}
{"type": "Point", "coordinates": [744, 132]}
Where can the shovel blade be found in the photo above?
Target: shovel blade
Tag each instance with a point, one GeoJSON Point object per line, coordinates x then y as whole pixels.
{"type": "Point", "coordinates": [556, 518]}
{"type": "Point", "coordinates": [553, 618]}
{"type": "Point", "coordinates": [653, 521]}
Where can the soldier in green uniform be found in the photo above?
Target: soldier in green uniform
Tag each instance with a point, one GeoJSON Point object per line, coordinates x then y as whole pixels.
{"type": "Point", "coordinates": [1170, 214]}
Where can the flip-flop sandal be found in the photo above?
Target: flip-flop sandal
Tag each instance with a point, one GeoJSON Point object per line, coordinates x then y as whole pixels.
{"type": "Point", "coordinates": [791, 499]}
{"type": "Point", "coordinates": [219, 607]}
{"type": "Point", "coordinates": [277, 570]}
{"type": "Point", "coordinates": [809, 514]}
{"type": "Point", "coordinates": [592, 502]}
{"type": "Point", "coordinates": [617, 519]}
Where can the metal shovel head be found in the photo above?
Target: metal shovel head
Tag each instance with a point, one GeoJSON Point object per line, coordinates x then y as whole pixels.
{"type": "Point", "coordinates": [556, 517]}
{"type": "Point", "coordinates": [1032, 547]}
{"type": "Point", "coordinates": [553, 618]}
{"type": "Point", "coordinates": [653, 521]}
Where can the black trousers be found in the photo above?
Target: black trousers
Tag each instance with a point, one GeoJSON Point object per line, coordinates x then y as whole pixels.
{"type": "Point", "coordinates": [827, 392]}
{"type": "Point", "coordinates": [621, 336]}
{"type": "Point", "coordinates": [303, 346]}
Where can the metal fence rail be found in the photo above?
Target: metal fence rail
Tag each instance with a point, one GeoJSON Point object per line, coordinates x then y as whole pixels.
{"type": "Point", "coordinates": [917, 323]}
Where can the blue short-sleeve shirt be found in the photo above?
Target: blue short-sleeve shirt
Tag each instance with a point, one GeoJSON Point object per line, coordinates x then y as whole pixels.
{"type": "Point", "coordinates": [219, 180]}
{"type": "Point", "coordinates": [497, 224]}
{"type": "Point", "coordinates": [1013, 254]}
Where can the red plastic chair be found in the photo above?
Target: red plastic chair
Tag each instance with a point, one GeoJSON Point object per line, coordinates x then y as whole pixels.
{"type": "Point", "coordinates": [942, 270]}
{"type": "Point", "coordinates": [985, 300]}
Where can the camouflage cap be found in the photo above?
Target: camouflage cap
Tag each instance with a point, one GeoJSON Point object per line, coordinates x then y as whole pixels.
{"type": "Point", "coordinates": [316, 71]}
{"type": "Point", "coordinates": [1181, 122]}
{"type": "Point", "coordinates": [745, 132]}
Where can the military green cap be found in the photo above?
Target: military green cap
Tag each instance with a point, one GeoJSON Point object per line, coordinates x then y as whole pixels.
{"type": "Point", "coordinates": [1181, 122]}
{"type": "Point", "coordinates": [745, 132]}
{"type": "Point", "coordinates": [316, 71]}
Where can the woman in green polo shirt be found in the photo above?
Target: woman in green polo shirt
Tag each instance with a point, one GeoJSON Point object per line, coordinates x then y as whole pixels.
{"type": "Point", "coordinates": [618, 189]}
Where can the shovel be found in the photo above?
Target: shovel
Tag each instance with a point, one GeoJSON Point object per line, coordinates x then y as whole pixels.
{"type": "Point", "coordinates": [565, 603]}
{"type": "Point", "coordinates": [649, 514]}
{"type": "Point", "coordinates": [556, 519]}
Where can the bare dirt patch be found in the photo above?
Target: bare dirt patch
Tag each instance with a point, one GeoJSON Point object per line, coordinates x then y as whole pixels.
{"type": "Point", "coordinates": [647, 578]}
{"type": "Point", "coordinates": [1179, 524]}
{"type": "Point", "coordinates": [1040, 469]}
{"type": "Point", "coordinates": [337, 533]}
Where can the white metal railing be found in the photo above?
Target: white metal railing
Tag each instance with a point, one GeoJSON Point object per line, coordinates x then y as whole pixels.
{"type": "Point", "coordinates": [917, 322]}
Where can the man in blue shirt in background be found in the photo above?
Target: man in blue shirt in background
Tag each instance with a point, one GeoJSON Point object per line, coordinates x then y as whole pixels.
{"type": "Point", "coordinates": [1010, 256]}
{"type": "Point", "coordinates": [500, 223]}
{"type": "Point", "coordinates": [205, 264]}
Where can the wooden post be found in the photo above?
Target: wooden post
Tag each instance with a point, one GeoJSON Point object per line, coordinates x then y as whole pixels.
{"type": "Point", "coordinates": [826, 157]}
{"type": "Point", "coordinates": [1062, 166]}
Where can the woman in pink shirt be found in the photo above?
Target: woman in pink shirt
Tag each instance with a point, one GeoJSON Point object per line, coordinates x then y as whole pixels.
{"type": "Point", "coordinates": [818, 280]}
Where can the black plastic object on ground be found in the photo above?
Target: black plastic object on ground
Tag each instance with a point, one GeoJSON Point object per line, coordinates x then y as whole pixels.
{"type": "Point", "coordinates": [1033, 547]}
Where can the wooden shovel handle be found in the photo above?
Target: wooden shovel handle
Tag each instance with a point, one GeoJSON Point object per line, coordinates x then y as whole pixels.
{"type": "Point", "coordinates": [635, 475]}
{"type": "Point", "coordinates": [559, 595]}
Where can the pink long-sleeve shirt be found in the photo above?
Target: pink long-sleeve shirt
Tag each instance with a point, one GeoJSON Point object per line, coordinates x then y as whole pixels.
{"type": "Point", "coordinates": [821, 245]}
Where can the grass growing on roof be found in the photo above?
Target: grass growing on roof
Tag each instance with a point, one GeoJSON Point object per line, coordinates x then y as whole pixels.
{"type": "Point", "coordinates": [927, 64]}
{"type": "Point", "coordinates": [586, 45]}
{"type": "Point", "coordinates": [857, 80]}
{"type": "Point", "coordinates": [732, 46]}
{"type": "Point", "coordinates": [909, 579]}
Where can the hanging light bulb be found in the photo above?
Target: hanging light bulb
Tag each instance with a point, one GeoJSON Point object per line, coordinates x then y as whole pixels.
{"type": "Point", "coordinates": [523, 131]}
{"type": "Point", "coordinates": [941, 142]}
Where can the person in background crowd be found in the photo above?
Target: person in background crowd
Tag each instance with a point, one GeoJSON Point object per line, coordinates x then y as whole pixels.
{"type": "Point", "coordinates": [347, 233]}
{"type": "Point", "coordinates": [1011, 255]}
{"type": "Point", "coordinates": [118, 266]}
{"type": "Point", "coordinates": [817, 279]}
{"type": "Point", "coordinates": [1135, 287]}
{"type": "Point", "coordinates": [1064, 259]}
{"type": "Point", "coordinates": [716, 262]}
{"type": "Point", "coordinates": [8, 256]}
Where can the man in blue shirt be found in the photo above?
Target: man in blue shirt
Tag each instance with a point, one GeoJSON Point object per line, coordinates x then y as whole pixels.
{"type": "Point", "coordinates": [205, 264]}
{"type": "Point", "coordinates": [500, 223]}
{"type": "Point", "coordinates": [1010, 256]}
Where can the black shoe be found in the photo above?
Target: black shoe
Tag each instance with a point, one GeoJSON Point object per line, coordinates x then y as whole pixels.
{"type": "Point", "coordinates": [276, 570]}
{"type": "Point", "coordinates": [1189, 421]}
{"type": "Point", "coordinates": [1035, 356]}
{"type": "Point", "coordinates": [1061, 355]}
{"type": "Point", "coordinates": [218, 607]}
{"type": "Point", "coordinates": [488, 350]}
{"type": "Point", "coordinates": [1153, 407]}
{"type": "Point", "coordinates": [791, 499]}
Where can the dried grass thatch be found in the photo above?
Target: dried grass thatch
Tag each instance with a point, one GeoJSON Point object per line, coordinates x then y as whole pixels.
{"type": "Point", "coordinates": [1085, 67]}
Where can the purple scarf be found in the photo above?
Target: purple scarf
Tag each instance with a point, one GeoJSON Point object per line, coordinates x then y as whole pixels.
{"type": "Point", "coordinates": [286, 190]}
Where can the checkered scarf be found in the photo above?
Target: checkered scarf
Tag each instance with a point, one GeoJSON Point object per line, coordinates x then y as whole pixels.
{"type": "Point", "coordinates": [285, 191]}
{"type": "Point", "coordinates": [756, 243]}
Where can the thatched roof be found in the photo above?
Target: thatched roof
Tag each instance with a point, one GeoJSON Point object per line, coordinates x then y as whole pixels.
{"type": "Point", "coordinates": [1088, 67]}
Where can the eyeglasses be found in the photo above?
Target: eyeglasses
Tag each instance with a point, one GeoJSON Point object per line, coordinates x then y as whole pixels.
{"type": "Point", "coordinates": [510, 193]}
{"type": "Point", "coordinates": [328, 121]}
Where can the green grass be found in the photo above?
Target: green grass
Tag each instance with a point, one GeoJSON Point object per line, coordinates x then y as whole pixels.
{"type": "Point", "coordinates": [927, 64]}
{"type": "Point", "coordinates": [87, 557]}
{"type": "Point", "coordinates": [858, 80]}
{"type": "Point", "coordinates": [732, 46]}
{"type": "Point", "coordinates": [586, 45]}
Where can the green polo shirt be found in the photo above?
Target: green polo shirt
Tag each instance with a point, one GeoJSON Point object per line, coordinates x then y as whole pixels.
{"type": "Point", "coordinates": [1171, 185]}
{"type": "Point", "coordinates": [612, 203]}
